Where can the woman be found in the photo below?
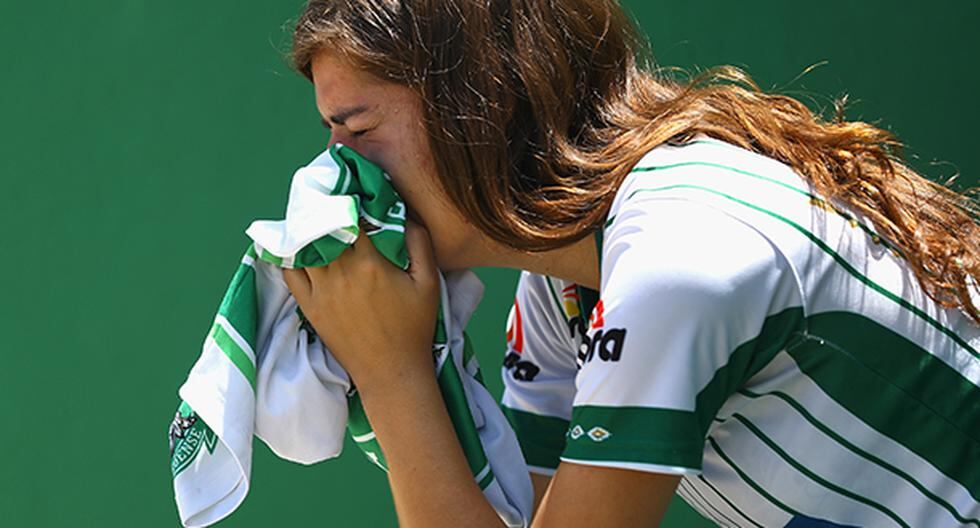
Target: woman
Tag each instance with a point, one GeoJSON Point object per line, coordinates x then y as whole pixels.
{"type": "Point", "coordinates": [785, 329]}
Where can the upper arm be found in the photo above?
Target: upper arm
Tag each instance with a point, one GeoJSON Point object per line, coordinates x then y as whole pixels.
{"type": "Point", "coordinates": [684, 287]}
{"type": "Point", "coordinates": [581, 495]}
{"type": "Point", "coordinates": [686, 290]}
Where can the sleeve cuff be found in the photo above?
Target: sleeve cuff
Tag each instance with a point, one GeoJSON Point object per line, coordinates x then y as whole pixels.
{"type": "Point", "coordinates": [662, 440]}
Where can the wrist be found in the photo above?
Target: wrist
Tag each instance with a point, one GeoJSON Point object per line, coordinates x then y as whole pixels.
{"type": "Point", "coordinates": [394, 380]}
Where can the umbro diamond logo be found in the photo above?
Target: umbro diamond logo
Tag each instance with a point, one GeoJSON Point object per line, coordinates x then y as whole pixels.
{"type": "Point", "coordinates": [596, 434]}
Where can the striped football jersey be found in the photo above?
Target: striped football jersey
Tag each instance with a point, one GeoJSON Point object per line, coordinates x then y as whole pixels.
{"type": "Point", "coordinates": [765, 344]}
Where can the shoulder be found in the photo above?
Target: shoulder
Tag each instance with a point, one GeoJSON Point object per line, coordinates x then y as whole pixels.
{"type": "Point", "coordinates": [690, 180]}
{"type": "Point", "coordinates": [678, 227]}
{"type": "Point", "coordinates": [679, 255]}
{"type": "Point", "coordinates": [683, 283]}
{"type": "Point", "coordinates": [708, 164]}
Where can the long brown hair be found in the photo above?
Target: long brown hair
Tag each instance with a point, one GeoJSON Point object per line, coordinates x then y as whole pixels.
{"type": "Point", "coordinates": [538, 109]}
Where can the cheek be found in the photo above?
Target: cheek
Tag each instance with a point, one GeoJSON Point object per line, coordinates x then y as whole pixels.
{"type": "Point", "coordinates": [413, 174]}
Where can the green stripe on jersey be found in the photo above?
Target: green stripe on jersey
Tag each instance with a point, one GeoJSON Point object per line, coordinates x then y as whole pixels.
{"type": "Point", "coordinates": [487, 480]}
{"type": "Point", "coordinates": [747, 359]}
{"type": "Point", "coordinates": [728, 502]}
{"type": "Point", "coordinates": [451, 386]}
{"type": "Point", "coordinates": [633, 424]}
{"type": "Point", "coordinates": [708, 508]}
{"type": "Point", "coordinates": [644, 435]}
{"type": "Point", "coordinates": [361, 432]}
{"type": "Point", "coordinates": [888, 382]}
{"type": "Point", "coordinates": [748, 480]}
{"type": "Point", "coordinates": [816, 200]}
{"type": "Point", "coordinates": [240, 304]}
{"type": "Point", "coordinates": [340, 186]}
{"type": "Point", "coordinates": [270, 258]}
{"type": "Point", "coordinates": [542, 438]}
{"type": "Point", "coordinates": [781, 453]}
{"type": "Point", "coordinates": [897, 388]}
{"type": "Point", "coordinates": [469, 355]}
{"type": "Point", "coordinates": [235, 353]}
{"type": "Point", "coordinates": [863, 453]}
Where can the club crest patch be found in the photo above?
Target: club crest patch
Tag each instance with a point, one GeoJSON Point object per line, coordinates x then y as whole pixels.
{"type": "Point", "coordinates": [188, 433]}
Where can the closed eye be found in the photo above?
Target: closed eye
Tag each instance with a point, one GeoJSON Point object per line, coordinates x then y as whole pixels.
{"type": "Point", "coordinates": [353, 133]}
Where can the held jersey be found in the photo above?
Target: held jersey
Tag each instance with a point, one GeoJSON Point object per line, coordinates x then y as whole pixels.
{"type": "Point", "coordinates": [770, 348]}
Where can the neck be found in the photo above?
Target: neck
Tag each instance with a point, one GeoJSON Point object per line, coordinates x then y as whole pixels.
{"type": "Point", "coordinates": [578, 262]}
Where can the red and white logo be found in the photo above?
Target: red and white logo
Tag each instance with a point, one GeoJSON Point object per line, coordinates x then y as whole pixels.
{"type": "Point", "coordinates": [595, 318]}
{"type": "Point", "coordinates": [515, 329]}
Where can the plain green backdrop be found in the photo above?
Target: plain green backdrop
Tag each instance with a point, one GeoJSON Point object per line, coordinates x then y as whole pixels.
{"type": "Point", "coordinates": [138, 139]}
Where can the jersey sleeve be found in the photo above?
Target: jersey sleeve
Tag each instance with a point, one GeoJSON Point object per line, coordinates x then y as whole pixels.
{"type": "Point", "coordinates": [686, 288]}
{"type": "Point", "coordinates": [539, 370]}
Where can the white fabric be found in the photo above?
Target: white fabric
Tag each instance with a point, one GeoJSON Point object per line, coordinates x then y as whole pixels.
{"type": "Point", "coordinates": [299, 405]}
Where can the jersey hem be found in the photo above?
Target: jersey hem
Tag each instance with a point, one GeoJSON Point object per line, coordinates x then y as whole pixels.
{"type": "Point", "coordinates": [635, 466]}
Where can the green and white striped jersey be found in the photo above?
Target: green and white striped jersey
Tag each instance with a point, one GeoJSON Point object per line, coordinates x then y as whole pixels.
{"type": "Point", "coordinates": [767, 346]}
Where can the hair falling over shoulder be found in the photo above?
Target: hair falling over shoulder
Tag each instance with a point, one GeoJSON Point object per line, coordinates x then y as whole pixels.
{"type": "Point", "coordinates": [538, 109]}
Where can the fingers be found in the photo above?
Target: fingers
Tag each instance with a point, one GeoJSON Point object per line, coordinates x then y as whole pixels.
{"type": "Point", "coordinates": [364, 244]}
{"type": "Point", "coordinates": [361, 248]}
{"type": "Point", "coordinates": [360, 256]}
{"type": "Point", "coordinates": [363, 257]}
{"type": "Point", "coordinates": [298, 283]}
{"type": "Point", "coordinates": [422, 266]}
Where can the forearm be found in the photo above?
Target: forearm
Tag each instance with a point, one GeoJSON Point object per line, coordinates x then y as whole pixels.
{"type": "Point", "coordinates": [430, 480]}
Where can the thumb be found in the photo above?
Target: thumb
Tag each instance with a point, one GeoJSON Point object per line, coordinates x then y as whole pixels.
{"type": "Point", "coordinates": [422, 262]}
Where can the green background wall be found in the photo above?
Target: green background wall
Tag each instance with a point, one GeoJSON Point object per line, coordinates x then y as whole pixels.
{"type": "Point", "coordinates": [138, 139]}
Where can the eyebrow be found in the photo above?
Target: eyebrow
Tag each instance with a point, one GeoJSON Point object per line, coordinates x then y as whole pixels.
{"type": "Point", "coordinates": [342, 116]}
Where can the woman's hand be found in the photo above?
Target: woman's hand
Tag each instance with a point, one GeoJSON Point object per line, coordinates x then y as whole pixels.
{"type": "Point", "coordinates": [379, 321]}
{"type": "Point", "coordinates": [376, 319]}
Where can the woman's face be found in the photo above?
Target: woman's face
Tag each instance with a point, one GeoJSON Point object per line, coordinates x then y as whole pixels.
{"type": "Point", "coordinates": [382, 121]}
